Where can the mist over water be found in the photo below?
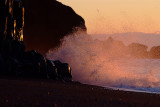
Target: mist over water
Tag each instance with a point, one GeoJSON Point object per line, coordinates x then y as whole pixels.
{"type": "Point", "coordinates": [100, 62]}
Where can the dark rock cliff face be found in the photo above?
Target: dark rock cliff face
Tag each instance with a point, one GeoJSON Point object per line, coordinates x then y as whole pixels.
{"type": "Point", "coordinates": [46, 22]}
{"type": "Point", "coordinates": [16, 62]}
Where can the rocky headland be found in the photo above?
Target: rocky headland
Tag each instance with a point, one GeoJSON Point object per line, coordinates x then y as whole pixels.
{"type": "Point", "coordinates": [47, 22]}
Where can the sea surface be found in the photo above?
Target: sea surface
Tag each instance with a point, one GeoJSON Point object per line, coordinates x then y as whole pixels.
{"type": "Point", "coordinates": [144, 75]}
{"type": "Point", "coordinates": [94, 61]}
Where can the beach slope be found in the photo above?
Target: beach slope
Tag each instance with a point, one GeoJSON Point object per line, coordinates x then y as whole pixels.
{"type": "Point", "coordinates": [38, 92]}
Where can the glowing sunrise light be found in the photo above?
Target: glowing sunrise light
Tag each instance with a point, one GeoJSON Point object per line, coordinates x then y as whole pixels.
{"type": "Point", "coordinates": [158, 32]}
{"type": "Point", "coordinates": [118, 16]}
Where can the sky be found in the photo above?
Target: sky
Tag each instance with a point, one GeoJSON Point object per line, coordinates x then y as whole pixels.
{"type": "Point", "coordinates": [118, 16]}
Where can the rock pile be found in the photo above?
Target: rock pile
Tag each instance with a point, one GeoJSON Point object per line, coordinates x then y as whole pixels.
{"type": "Point", "coordinates": [15, 61]}
{"type": "Point", "coordinates": [117, 48]}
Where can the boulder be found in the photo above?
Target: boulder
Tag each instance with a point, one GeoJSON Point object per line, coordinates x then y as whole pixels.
{"type": "Point", "coordinates": [63, 71]}
{"type": "Point", "coordinates": [155, 52]}
{"type": "Point", "coordinates": [138, 50]}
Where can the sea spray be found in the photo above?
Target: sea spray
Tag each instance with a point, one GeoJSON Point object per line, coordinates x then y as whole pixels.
{"type": "Point", "coordinates": [105, 63]}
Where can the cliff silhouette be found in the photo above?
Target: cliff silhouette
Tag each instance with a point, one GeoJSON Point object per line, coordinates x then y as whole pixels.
{"type": "Point", "coordinates": [14, 59]}
{"type": "Point", "coordinates": [47, 22]}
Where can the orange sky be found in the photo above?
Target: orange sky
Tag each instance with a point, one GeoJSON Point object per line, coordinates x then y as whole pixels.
{"type": "Point", "coordinates": [117, 16]}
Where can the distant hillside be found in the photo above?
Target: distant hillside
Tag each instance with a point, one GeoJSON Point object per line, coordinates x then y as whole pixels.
{"type": "Point", "coordinates": [48, 21]}
{"type": "Point", "coordinates": [148, 39]}
{"type": "Point", "coordinates": [116, 48]}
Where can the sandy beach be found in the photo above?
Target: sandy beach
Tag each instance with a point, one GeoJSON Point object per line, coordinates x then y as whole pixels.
{"type": "Point", "coordinates": [51, 93]}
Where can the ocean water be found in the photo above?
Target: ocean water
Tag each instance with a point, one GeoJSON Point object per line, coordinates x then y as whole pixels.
{"type": "Point", "coordinates": [98, 62]}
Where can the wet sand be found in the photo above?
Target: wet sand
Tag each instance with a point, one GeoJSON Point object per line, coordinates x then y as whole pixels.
{"type": "Point", "coordinates": [51, 93]}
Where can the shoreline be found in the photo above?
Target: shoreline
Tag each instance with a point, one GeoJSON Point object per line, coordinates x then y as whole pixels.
{"type": "Point", "coordinates": [38, 92]}
{"type": "Point", "coordinates": [132, 90]}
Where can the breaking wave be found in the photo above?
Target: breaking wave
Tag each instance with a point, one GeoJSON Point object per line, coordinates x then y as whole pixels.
{"type": "Point", "coordinates": [100, 62]}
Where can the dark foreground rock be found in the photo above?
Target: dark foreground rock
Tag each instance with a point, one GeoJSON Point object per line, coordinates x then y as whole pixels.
{"type": "Point", "coordinates": [47, 22]}
{"type": "Point", "coordinates": [15, 61]}
{"type": "Point", "coordinates": [43, 19]}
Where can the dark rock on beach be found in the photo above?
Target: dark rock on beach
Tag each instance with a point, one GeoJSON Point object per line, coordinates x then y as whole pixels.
{"type": "Point", "coordinates": [46, 22]}
{"type": "Point", "coordinates": [15, 61]}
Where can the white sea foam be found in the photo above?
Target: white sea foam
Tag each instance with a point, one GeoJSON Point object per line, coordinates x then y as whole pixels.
{"type": "Point", "coordinates": [101, 63]}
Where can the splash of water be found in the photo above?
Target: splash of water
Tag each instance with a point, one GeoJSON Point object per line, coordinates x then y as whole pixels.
{"type": "Point", "coordinates": [101, 62]}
